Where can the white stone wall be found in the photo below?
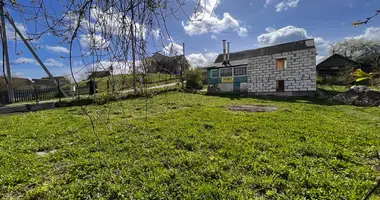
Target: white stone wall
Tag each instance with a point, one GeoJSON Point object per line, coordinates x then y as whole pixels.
{"type": "Point", "coordinates": [299, 75]}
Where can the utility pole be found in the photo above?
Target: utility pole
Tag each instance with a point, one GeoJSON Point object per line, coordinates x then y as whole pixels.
{"type": "Point", "coordinates": [34, 53]}
{"type": "Point", "coordinates": [182, 62]}
{"type": "Point", "coordinates": [6, 55]}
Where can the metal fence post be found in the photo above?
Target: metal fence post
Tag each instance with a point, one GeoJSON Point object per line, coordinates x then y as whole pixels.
{"type": "Point", "coordinates": [59, 91]}
{"type": "Point", "coordinates": [36, 93]}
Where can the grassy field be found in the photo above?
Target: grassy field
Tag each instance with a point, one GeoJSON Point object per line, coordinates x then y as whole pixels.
{"type": "Point", "coordinates": [189, 146]}
{"type": "Point", "coordinates": [125, 81]}
{"type": "Point", "coordinates": [333, 88]}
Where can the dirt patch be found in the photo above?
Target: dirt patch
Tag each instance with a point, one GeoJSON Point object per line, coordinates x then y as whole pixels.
{"type": "Point", "coordinates": [252, 108]}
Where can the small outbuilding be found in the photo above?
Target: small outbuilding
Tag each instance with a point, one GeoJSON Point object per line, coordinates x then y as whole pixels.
{"type": "Point", "coordinates": [334, 64]}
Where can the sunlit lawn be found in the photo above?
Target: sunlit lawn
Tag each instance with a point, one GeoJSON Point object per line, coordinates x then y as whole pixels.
{"type": "Point", "coordinates": [189, 146]}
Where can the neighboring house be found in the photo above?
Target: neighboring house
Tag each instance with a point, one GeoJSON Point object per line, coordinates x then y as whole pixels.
{"type": "Point", "coordinates": [46, 82]}
{"type": "Point", "coordinates": [62, 80]}
{"type": "Point", "coordinates": [43, 83]}
{"type": "Point", "coordinates": [285, 69]}
{"type": "Point", "coordinates": [18, 83]}
{"type": "Point", "coordinates": [99, 74]}
{"type": "Point", "coordinates": [334, 64]}
{"type": "Point", "coordinates": [165, 64]}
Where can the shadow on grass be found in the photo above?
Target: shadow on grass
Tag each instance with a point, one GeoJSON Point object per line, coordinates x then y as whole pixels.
{"type": "Point", "coordinates": [318, 100]}
{"type": "Point", "coordinates": [329, 92]}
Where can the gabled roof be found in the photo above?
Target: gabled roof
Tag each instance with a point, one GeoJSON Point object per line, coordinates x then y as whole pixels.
{"type": "Point", "coordinates": [234, 63]}
{"type": "Point", "coordinates": [241, 57]}
{"type": "Point", "coordinates": [280, 48]}
{"type": "Point", "coordinates": [323, 62]}
{"type": "Point", "coordinates": [159, 56]}
{"type": "Point", "coordinates": [56, 77]}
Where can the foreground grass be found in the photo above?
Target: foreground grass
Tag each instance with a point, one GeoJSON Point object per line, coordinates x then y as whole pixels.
{"type": "Point", "coordinates": [190, 146]}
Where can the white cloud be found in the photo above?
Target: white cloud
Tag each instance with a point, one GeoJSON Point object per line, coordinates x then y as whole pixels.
{"type": "Point", "coordinates": [201, 60]}
{"type": "Point", "coordinates": [50, 62]}
{"type": "Point", "coordinates": [322, 45]}
{"type": "Point", "coordinates": [114, 22]}
{"type": "Point", "coordinates": [23, 60]}
{"type": "Point", "coordinates": [290, 34]}
{"type": "Point", "coordinates": [93, 41]}
{"type": "Point", "coordinates": [156, 33]}
{"type": "Point", "coordinates": [270, 29]}
{"type": "Point", "coordinates": [285, 34]}
{"type": "Point", "coordinates": [173, 49]}
{"type": "Point", "coordinates": [371, 33]}
{"type": "Point", "coordinates": [79, 71]}
{"type": "Point", "coordinates": [242, 32]}
{"type": "Point", "coordinates": [11, 32]}
{"type": "Point", "coordinates": [57, 49]}
{"type": "Point", "coordinates": [320, 59]}
{"type": "Point", "coordinates": [282, 5]}
{"type": "Point", "coordinates": [109, 22]}
{"type": "Point", "coordinates": [206, 21]}
{"type": "Point", "coordinates": [214, 37]}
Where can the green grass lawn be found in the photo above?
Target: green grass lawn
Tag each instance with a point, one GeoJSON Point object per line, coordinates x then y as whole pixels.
{"type": "Point", "coordinates": [189, 146]}
{"type": "Point", "coordinates": [333, 88]}
{"type": "Point", "coordinates": [125, 81]}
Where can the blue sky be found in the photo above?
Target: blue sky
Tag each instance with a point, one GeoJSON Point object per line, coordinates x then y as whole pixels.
{"type": "Point", "coordinates": [247, 24]}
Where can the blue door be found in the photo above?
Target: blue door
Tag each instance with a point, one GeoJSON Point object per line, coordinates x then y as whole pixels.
{"type": "Point", "coordinates": [236, 87]}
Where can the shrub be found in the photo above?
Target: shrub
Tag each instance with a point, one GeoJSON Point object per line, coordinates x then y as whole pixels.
{"type": "Point", "coordinates": [320, 80]}
{"type": "Point", "coordinates": [76, 102]}
{"type": "Point", "coordinates": [193, 78]}
{"type": "Point", "coordinates": [104, 98]}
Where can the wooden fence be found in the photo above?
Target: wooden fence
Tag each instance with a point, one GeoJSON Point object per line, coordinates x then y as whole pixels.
{"type": "Point", "coordinates": [30, 95]}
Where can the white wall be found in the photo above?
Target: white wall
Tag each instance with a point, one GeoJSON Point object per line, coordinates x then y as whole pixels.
{"type": "Point", "coordinates": [299, 75]}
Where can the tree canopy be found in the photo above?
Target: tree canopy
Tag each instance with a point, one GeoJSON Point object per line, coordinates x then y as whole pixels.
{"type": "Point", "coordinates": [364, 51]}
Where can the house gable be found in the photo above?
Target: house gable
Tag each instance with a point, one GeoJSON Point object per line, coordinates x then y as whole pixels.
{"type": "Point", "coordinates": [165, 64]}
{"type": "Point", "coordinates": [334, 61]}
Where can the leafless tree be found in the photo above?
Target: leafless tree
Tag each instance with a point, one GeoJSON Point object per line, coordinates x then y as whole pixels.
{"type": "Point", "coordinates": [108, 33]}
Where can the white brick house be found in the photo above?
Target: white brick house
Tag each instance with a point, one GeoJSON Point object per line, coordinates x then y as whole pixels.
{"type": "Point", "coordinates": [286, 69]}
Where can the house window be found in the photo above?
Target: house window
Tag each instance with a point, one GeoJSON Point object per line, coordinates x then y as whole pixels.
{"type": "Point", "coordinates": [280, 86]}
{"type": "Point", "coordinates": [281, 63]}
{"type": "Point", "coordinates": [225, 72]}
{"type": "Point", "coordinates": [240, 71]}
{"type": "Point", "coordinates": [214, 73]}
